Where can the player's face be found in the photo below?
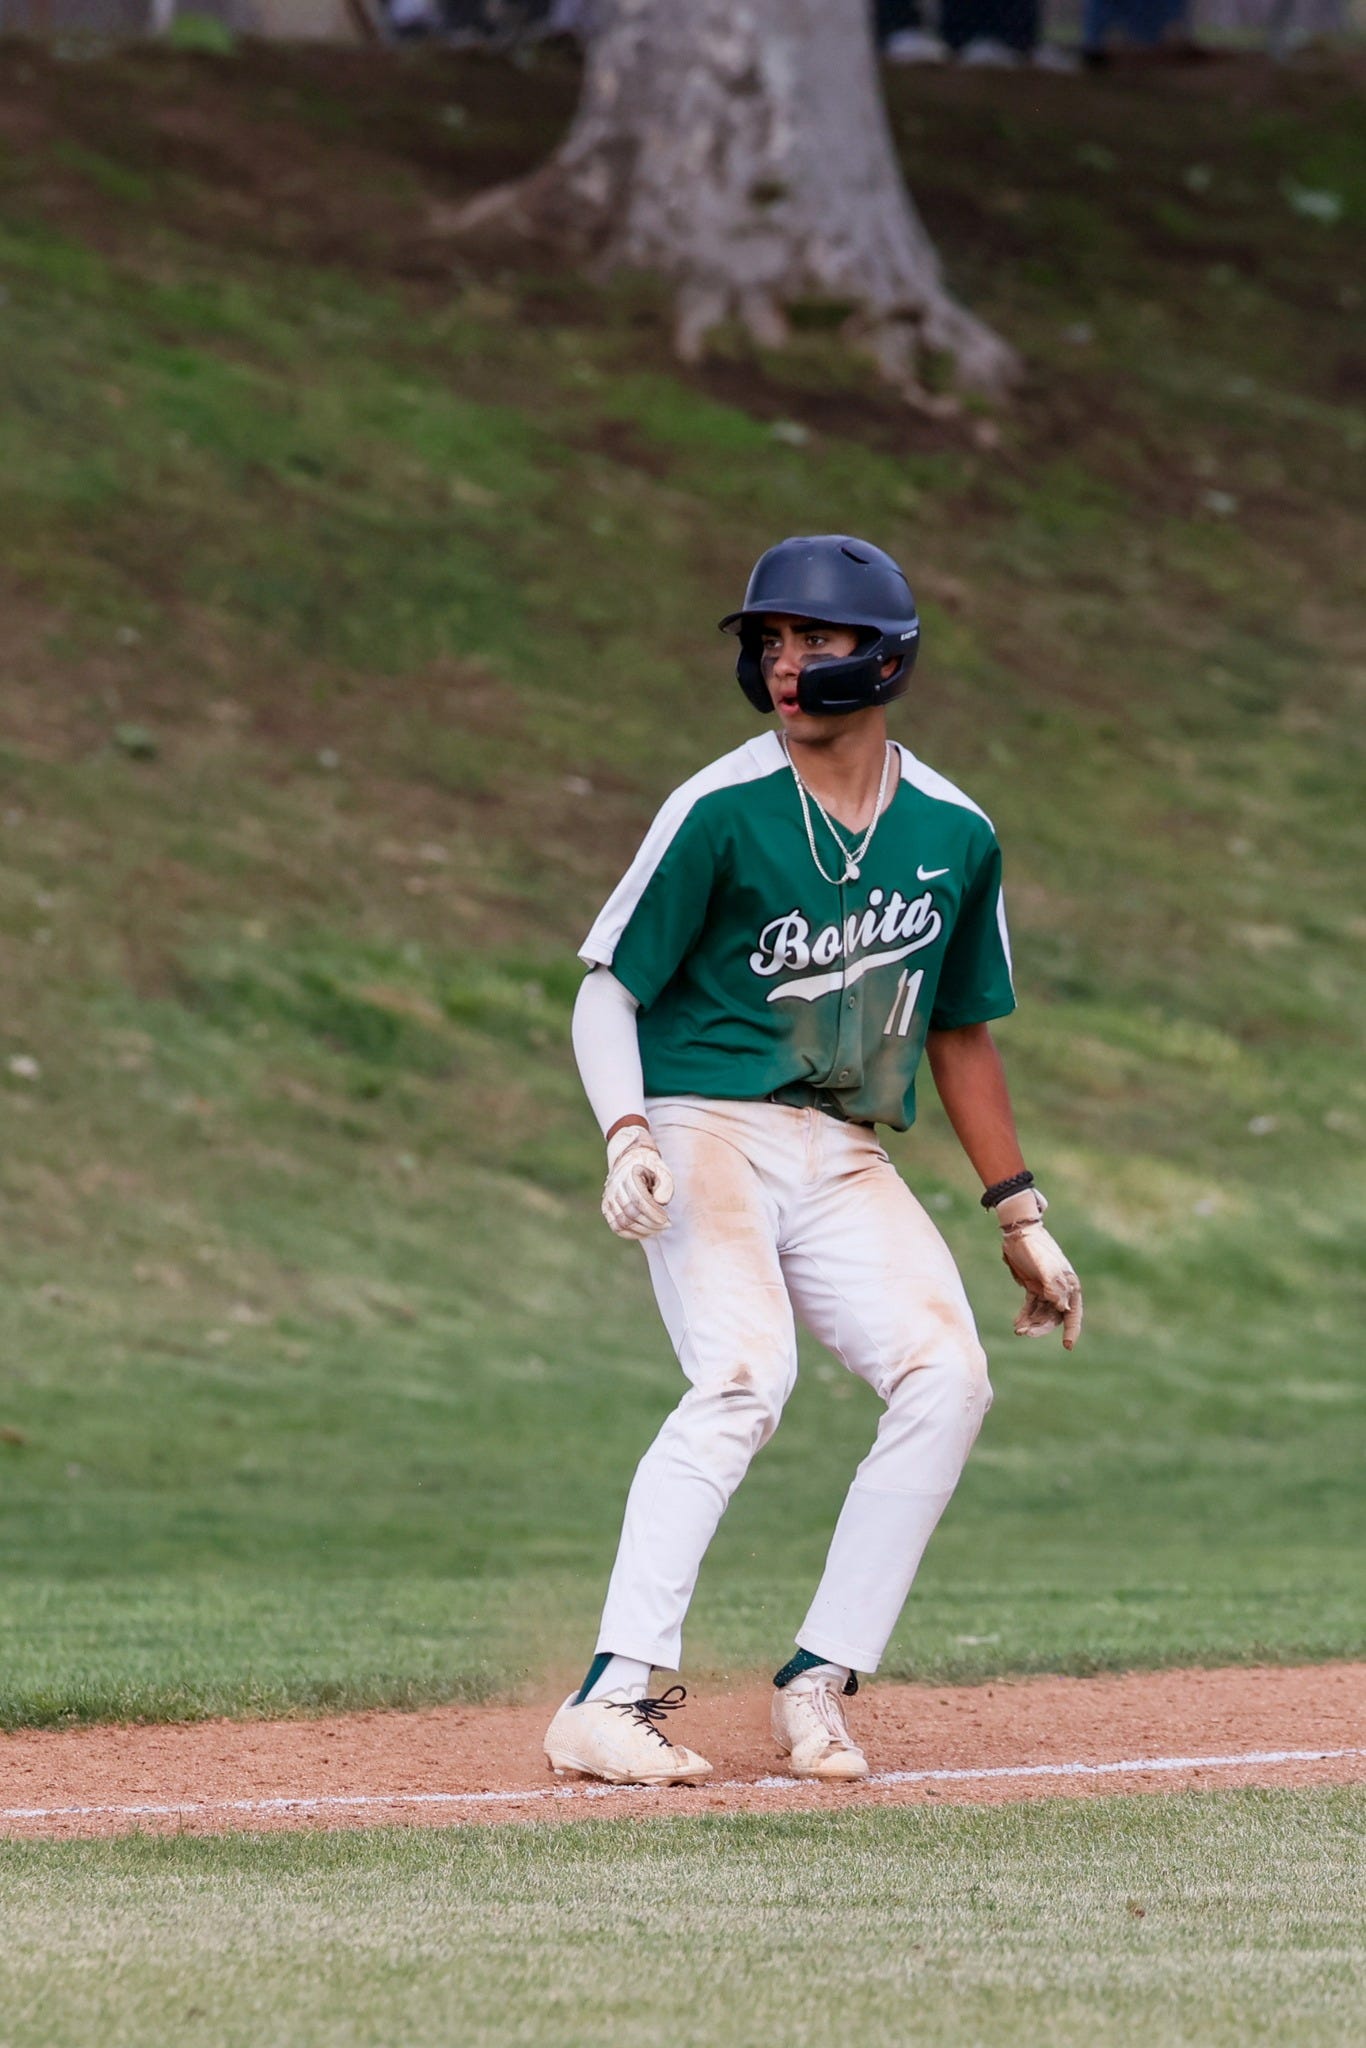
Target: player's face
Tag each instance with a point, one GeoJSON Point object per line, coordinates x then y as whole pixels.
{"type": "Point", "coordinates": [788, 644]}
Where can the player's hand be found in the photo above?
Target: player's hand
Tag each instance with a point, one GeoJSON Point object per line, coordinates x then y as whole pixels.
{"type": "Point", "coordinates": [639, 1185]}
{"type": "Point", "coordinates": [1052, 1289]}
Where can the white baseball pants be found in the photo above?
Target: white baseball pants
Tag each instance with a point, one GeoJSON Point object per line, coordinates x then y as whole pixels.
{"type": "Point", "coordinates": [779, 1210]}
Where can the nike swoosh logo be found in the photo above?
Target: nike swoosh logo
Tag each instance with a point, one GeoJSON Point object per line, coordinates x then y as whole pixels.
{"type": "Point", "coordinates": [929, 874]}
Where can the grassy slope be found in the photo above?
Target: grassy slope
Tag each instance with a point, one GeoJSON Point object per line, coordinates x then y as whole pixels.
{"type": "Point", "coordinates": [323, 1380]}
{"type": "Point", "coordinates": [1227, 1920]}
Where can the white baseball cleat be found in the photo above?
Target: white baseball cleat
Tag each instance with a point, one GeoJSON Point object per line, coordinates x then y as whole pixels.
{"type": "Point", "coordinates": [810, 1728]}
{"type": "Point", "coordinates": [622, 1741]}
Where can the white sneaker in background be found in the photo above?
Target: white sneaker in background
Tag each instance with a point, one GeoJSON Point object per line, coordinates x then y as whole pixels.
{"type": "Point", "coordinates": [985, 53]}
{"type": "Point", "coordinates": [810, 1728]}
{"type": "Point", "coordinates": [915, 46]}
{"type": "Point", "coordinates": [622, 1741]}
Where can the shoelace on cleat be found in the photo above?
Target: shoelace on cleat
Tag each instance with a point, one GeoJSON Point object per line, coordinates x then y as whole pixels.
{"type": "Point", "coordinates": [650, 1713]}
{"type": "Point", "coordinates": [830, 1714]}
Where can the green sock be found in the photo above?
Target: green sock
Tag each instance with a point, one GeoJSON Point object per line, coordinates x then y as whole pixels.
{"type": "Point", "coordinates": [595, 1671]}
{"type": "Point", "coordinates": [807, 1660]}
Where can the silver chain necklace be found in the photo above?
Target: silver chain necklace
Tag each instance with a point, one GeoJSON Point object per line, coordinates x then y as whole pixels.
{"type": "Point", "coordinates": [853, 856]}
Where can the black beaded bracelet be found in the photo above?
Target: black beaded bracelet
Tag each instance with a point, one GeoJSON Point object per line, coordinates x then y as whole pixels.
{"type": "Point", "coordinates": [1000, 1190]}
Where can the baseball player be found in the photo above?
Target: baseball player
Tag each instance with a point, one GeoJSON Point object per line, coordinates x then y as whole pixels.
{"type": "Point", "coordinates": [803, 919]}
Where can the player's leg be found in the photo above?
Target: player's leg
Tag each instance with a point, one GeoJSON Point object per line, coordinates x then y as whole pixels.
{"type": "Point", "coordinates": [720, 1290]}
{"type": "Point", "coordinates": [719, 1286]}
{"type": "Point", "coordinates": [874, 1280]}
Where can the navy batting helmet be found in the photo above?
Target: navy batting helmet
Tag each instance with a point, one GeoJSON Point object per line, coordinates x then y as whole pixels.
{"type": "Point", "coordinates": [842, 582]}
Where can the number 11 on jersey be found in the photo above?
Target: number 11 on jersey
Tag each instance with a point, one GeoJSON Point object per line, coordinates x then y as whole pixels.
{"type": "Point", "coordinates": [907, 990]}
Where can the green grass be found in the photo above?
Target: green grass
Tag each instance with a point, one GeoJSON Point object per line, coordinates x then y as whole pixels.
{"type": "Point", "coordinates": [357, 609]}
{"type": "Point", "coordinates": [1200, 1919]}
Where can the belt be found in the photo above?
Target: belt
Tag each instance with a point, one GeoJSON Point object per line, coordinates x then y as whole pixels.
{"type": "Point", "coordinates": [801, 1095]}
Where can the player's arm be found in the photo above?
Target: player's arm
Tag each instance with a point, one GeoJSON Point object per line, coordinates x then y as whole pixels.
{"type": "Point", "coordinates": [971, 1081]}
{"type": "Point", "coordinates": [972, 1086]}
{"type": "Point", "coordinates": [607, 1049]}
{"type": "Point", "coordinates": [640, 938]}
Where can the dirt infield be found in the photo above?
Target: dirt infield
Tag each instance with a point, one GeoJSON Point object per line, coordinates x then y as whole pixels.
{"type": "Point", "coordinates": [1030, 1738]}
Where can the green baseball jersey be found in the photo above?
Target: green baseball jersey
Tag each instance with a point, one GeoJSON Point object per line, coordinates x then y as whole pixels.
{"type": "Point", "coordinates": [757, 978]}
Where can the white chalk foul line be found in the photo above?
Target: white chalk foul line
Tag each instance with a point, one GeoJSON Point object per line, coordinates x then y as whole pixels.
{"type": "Point", "coordinates": [341, 1802]}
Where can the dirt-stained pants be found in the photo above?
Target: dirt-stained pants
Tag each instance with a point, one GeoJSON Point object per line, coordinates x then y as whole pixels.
{"type": "Point", "coordinates": [777, 1210]}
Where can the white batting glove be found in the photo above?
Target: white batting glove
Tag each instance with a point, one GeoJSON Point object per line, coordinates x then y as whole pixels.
{"type": "Point", "coordinates": [639, 1185]}
{"type": "Point", "coordinates": [1052, 1289]}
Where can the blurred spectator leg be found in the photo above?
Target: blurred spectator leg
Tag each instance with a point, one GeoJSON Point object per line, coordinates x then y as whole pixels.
{"type": "Point", "coordinates": [904, 36]}
{"type": "Point", "coordinates": [570, 18]}
{"type": "Point", "coordinates": [411, 20]}
{"type": "Point", "coordinates": [979, 33]}
{"type": "Point", "coordinates": [1030, 37]}
{"type": "Point", "coordinates": [1097, 19]}
{"type": "Point", "coordinates": [1175, 38]}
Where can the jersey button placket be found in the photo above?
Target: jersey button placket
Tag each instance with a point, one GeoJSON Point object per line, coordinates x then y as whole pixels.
{"type": "Point", "coordinates": [848, 1032]}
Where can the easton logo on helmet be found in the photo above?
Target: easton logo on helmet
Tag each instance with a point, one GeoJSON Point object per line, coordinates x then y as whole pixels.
{"type": "Point", "coordinates": [842, 582]}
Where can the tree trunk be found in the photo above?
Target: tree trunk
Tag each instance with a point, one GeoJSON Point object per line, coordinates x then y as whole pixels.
{"type": "Point", "coordinates": [740, 149]}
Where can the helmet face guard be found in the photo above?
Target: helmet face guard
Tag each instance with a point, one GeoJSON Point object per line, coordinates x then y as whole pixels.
{"type": "Point", "coordinates": [838, 581]}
